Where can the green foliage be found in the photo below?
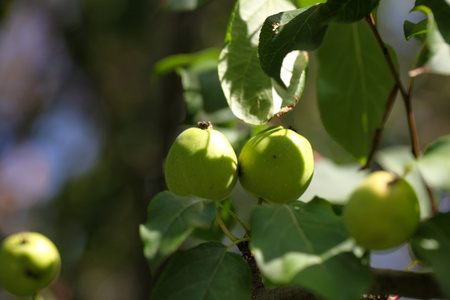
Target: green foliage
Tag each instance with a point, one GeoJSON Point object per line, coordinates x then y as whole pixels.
{"type": "Point", "coordinates": [297, 243]}
{"type": "Point", "coordinates": [435, 165]}
{"type": "Point", "coordinates": [171, 219]}
{"type": "Point", "coordinates": [436, 51]}
{"type": "Point", "coordinates": [431, 244]}
{"type": "Point", "coordinates": [252, 95]}
{"type": "Point", "coordinates": [207, 271]}
{"type": "Point", "coordinates": [353, 86]}
{"type": "Point", "coordinates": [260, 74]}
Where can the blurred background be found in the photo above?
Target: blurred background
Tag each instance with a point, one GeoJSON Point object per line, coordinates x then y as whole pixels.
{"type": "Point", "coordinates": [86, 121]}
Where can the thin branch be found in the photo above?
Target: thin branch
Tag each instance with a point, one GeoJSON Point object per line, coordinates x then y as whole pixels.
{"type": "Point", "coordinates": [406, 96]}
{"type": "Point", "coordinates": [224, 228]}
{"type": "Point", "coordinates": [379, 132]}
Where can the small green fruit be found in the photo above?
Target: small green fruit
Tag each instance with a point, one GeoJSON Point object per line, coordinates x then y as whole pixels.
{"type": "Point", "coordinates": [276, 165]}
{"type": "Point", "coordinates": [383, 212]}
{"type": "Point", "coordinates": [29, 262]}
{"type": "Point", "coordinates": [201, 162]}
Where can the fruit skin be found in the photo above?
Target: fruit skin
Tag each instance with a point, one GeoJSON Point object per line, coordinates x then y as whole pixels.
{"type": "Point", "coordinates": [201, 162]}
{"type": "Point", "coordinates": [383, 211]}
{"type": "Point", "coordinates": [29, 262]}
{"type": "Point", "coordinates": [276, 165]}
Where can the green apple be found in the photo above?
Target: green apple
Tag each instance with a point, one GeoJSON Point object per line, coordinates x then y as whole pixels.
{"type": "Point", "coordinates": [276, 165]}
{"type": "Point", "coordinates": [383, 211]}
{"type": "Point", "coordinates": [201, 162]}
{"type": "Point", "coordinates": [29, 262]}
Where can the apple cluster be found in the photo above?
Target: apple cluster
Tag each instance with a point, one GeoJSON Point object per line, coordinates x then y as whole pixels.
{"type": "Point", "coordinates": [276, 165]}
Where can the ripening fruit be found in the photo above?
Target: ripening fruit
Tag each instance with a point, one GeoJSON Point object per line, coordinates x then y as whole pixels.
{"type": "Point", "coordinates": [29, 262]}
{"type": "Point", "coordinates": [383, 212]}
{"type": "Point", "coordinates": [276, 165]}
{"type": "Point", "coordinates": [201, 162]}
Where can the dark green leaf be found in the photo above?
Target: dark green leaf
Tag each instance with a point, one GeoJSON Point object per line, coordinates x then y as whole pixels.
{"type": "Point", "coordinates": [347, 11]}
{"type": "Point", "coordinates": [170, 220]}
{"type": "Point", "coordinates": [435, 163]}
{"type": "Point", "coordinates": [252, 95]}
{"type": "Point", "coordinates": [285, 32]}
{"type": "Point", "coordinates": [441, 13]}
{"type": "Point", "coordinates": [431, 244]}
{"type": "Point", "coordinates": [353, 86]}
{"type": "Point", "coordinates": [418, 30]}
{"type": "Point", "coordinates": [307, 244]}
{"type": "Point", "coordinates": [206, 272]}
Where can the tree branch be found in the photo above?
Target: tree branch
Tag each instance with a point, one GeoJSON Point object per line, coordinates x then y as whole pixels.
{"type": "Point", "coordinates": [407, 284]}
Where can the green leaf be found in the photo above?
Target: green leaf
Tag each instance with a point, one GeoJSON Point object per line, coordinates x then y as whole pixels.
{"type": "Point", "coordinates": [305, 3]}
{"type": "Point", "coordinates": [431, 244]}
{"type": "Point", "coordinates": [307, 244]}
{"type": "Point", "coordinates": [418, 30]}
{"type": "Point", "coordinates": [347, 11]}
{"type": "Point", "coordinates": [203, 95]}
{"type": "Point", "coordinates": [170, 220]}
{"type": "Point", "coordinates": [176, 5]}
{"type": "Point", "coordinates": [436, 55]}
{"type": "Point", "coordinates": [252, 95]}
{"type": "Point", "coordinates": [285, 32]}
{"type": "Point", "coordinates": [441, 13]}
{"type": "Point", "coordinates": [353, 86]}
{"type": "Point", "coordinates": [206, 272]}
{"type": "Point", "coordinates": [174, 62]}
{"type": "Point", "coordinates": [434, 164]}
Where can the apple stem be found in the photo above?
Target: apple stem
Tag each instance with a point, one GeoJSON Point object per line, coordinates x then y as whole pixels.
{"type": "Point", "coordinates": [224, 228]}
{"type": "Point", "coordinates": [234, 216]}
{"type": "Point", "coordinates": [204, 125]}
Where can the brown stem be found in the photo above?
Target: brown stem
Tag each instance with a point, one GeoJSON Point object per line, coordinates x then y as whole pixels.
{"type": "Point", "coordinates": [379, 131]}
{"type": "Point", "coordinates": [405, 95]}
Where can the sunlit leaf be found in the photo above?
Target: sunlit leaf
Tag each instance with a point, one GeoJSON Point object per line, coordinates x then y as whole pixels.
{"type": "Point", "coordinates": [431, 244]}
{"type": "Point", "coordinates": [253, 96]}
{"type": "Point", "coordinates": [206, 272]}
{"type": "Point", "coordinates": [170, 220]}
{"type": "Point", "coordinates": [298, 242]}
{"type": "Point", "coordinates": [287, 31]}
{"type": "Point", "coordinates": [353, 86]}
{"type": "Point", "coordinates": [434, 164]}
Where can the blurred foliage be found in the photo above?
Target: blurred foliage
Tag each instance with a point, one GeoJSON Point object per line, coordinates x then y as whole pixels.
{"type": "Point", "coordinates": [121, 45]}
